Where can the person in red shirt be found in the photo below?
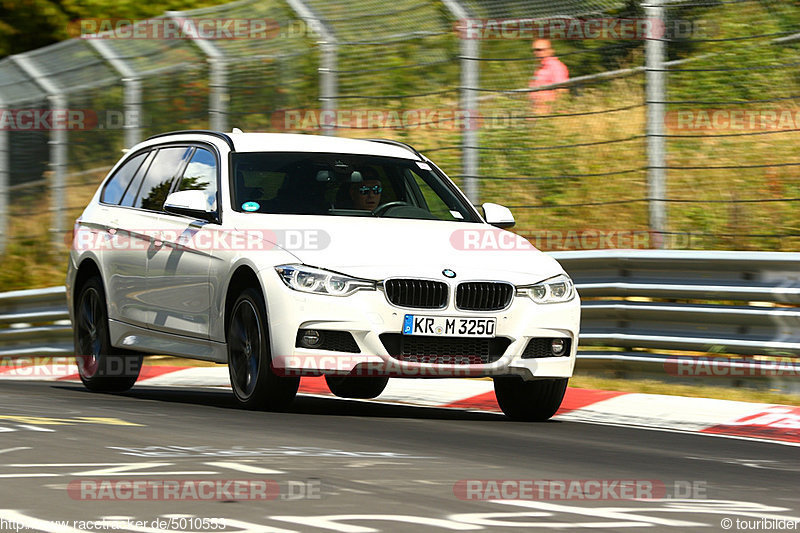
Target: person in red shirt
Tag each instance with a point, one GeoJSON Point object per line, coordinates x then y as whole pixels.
{"type": "Point", "coordinates": [551, 70]}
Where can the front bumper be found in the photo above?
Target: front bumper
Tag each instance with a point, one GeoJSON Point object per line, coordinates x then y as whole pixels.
{"type": "Point", "coordinates": [366, 315]}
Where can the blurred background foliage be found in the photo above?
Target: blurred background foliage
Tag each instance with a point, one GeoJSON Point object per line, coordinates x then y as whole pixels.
{"type": "Point", "coordinates": [581, 167]}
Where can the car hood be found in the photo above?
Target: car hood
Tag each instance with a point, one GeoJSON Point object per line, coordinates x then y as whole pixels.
{"type": "Point", "coordinates": [378, 248]}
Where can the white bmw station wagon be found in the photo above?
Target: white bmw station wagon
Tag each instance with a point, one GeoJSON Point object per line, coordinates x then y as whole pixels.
{"type": "Point", "coordinates": [285, 255]}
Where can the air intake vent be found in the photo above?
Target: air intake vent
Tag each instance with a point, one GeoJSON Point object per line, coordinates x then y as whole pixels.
{"type": "Point", "coordinates": [484, 295]}
{"type": "Point", "coordinates": [419, 293]}
{"type": "Point", "coordinates": [444, 350]}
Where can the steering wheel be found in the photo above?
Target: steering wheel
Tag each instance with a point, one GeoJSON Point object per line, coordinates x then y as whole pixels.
{"type": "Point", "coordinates": [383, 208]}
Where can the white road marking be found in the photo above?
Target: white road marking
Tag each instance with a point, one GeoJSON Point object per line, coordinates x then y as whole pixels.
{"type": "Point", "coordinates": [244, 467]}
{"type": "Point", "coordinates": [761, 464]}
{"type": "Point", "coordinates": [9, 450]}
{"type": "Point", "coordinates": [129, 469]}
{"type": "Point", "coordinates": [334, 522]}
{"type": "Point", "coordinates": [41, 474]}
{"type": "Point", "coordinates": [163, 452]}
{"type": "Point", "coordinates": [35, 428]}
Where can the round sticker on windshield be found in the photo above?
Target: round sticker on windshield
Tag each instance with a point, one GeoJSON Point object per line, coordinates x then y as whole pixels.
{"type": "Point", "coordinates": [251, 206]}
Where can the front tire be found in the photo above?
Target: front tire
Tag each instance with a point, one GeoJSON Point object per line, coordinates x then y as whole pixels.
{"type": "Point", "coordinates": [254, 383]}
{"type": "Point", "coordinates": [529, 401]}
{"type": "Point", "coordinates": [356, 387]}
{"type": "Point", "coordinates": [101, 367]}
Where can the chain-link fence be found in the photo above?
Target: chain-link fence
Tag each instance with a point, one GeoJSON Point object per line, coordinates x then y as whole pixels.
{"type": "Point", "coordinates": [676, 127]}
{"type": "Point", "coordinates": [733, 126]}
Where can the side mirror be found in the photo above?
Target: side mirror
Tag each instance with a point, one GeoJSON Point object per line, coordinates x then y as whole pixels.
{"type": "Point", "coordinates": [498, 215]}
{"type": "Point", "coordinates": [190, 203]}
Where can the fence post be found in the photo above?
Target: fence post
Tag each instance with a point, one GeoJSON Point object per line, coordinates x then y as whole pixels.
{"type": "Point", "coordinates": [470, 81]}
{"type": "Point", "coordinates": [218, 98]}
{"type": "Point", "coordinates": [4, 183]}
{"type": "Point", "coordinates": [218, 105]}
{"type": "Point", "coordinates": [58, 148]}
{"type": "Point", "coordinates": [329, 59]}
{"type": "Point", "coordinates": [328, 85]}
{"type": "Point", "coordinates": [132, 87]}
{"type": "Point", "coordinates": [656, 142]}
{"type": "Point", "coordinates": [132, 107]}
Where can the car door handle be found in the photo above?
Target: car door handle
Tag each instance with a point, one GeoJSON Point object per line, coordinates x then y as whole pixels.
{"type": "Point", "coordinates": [158, 242]}
{"type": "Point", "coordinates": [111, 227]}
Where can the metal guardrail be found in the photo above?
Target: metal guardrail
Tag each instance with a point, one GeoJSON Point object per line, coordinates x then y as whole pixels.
{"type": "Point", "coordinates": [35, 322]}
{"type": "Point", "coordinates": [745, 303]}
{"type": "Point", "coordinates": [718, 302]}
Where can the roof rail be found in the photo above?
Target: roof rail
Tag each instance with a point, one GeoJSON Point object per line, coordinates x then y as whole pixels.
{"type": "Point", "coordinates": [217, 134]}
{"type": "Point", "coordinates": [397, 143]}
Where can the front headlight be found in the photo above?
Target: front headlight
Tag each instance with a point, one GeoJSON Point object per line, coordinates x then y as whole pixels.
{"type": "Point", "coordinates": [554, 290]}
{"type": "Point", "coordinates": [319, 281]}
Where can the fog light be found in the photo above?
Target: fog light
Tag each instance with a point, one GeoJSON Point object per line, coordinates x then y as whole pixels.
{"type": "Point", "coordinates": [310, 338]}
{"type": "Point", "coordinates": [557, 346]}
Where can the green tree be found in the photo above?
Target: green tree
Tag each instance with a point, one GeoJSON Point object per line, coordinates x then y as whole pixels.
{"type": "Point", "coordinates": [30, 24]}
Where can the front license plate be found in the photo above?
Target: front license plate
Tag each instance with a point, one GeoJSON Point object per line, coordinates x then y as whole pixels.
{"type": "Point", "coordinates": [449, 326]}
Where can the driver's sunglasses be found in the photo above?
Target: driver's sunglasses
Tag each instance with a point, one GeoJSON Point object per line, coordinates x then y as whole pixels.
{"type": "Point", "coordinates": [375, 189]}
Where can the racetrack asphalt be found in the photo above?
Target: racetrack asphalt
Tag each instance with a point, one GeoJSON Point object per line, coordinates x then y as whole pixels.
{"type": "Point", "coordinates": [341, 465]}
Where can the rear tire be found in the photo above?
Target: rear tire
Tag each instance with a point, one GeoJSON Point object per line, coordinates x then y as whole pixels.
{"type": "Point", "coordinates": [101, 367]}
{"type": "Point", "coordinates": [254, 383]}
{"type": "Point", "coordinates": [529, 401]}
{"type": "Point", "coordinates": [356, 387]}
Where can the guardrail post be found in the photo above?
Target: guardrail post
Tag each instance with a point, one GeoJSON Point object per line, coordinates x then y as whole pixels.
{"type": "Point", "coordinates": [133, 111]}
{"type": "Point", "coordinates": [470, 81]}
{"type": "Point", "coordinates": [328, 86]}
{"type": "Point", "coordinates": [329, 59]}
{"type": "Point", "coordinates": [58, 148]}
{"type": "Point", "coordinates": [219, 97]}
{"type": "Point", "coordinates": [4, 184]}
{"type": "Point", "coordinates": [656, 143]}
{"type": "Point", "coordinates": [132, 87]}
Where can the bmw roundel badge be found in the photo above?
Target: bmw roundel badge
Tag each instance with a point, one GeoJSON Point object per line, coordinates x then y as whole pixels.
{"type": "Point", "coordinates": [448, 273]}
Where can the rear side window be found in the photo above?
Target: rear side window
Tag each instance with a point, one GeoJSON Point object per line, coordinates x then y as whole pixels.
{"type": "Point", "coordinates": [115, 188]}
{"type": "Point", "coordinates": [201, 175]}
{"type": "Point", "coordinates": [158, 181]}
{"type": "Point", "coordinates": [133, 188]}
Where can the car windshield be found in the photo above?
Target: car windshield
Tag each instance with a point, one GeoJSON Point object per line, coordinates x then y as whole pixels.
{"type": "Point", "coordinates": [343, 185]}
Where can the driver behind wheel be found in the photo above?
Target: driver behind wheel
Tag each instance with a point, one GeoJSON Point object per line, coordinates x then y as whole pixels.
{"type": "Point", "coordinates": [366, 194]}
